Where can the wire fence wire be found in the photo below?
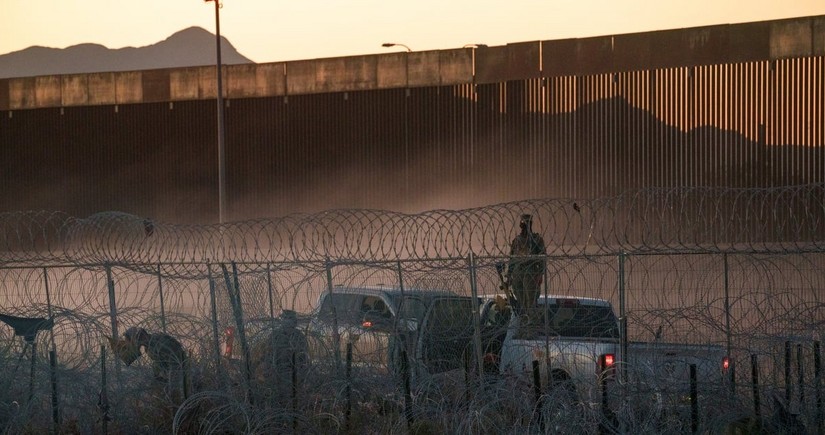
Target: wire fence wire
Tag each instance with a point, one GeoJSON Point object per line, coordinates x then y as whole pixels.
{"type": "Point", "coordinates": [741, 270]}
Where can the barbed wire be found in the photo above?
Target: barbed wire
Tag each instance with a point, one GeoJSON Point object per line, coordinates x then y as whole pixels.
{"type": "Point", "coordinates": [736, 268]}
{"type": "Point", "coordinates": [648, 220]}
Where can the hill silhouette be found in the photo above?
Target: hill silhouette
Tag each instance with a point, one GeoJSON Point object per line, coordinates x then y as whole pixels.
{"type": "Point", "coordinates": [193, 46]}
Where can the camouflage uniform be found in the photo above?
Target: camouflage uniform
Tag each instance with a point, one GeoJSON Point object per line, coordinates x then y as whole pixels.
{"type": "Point", "coordinates": [525, 275]}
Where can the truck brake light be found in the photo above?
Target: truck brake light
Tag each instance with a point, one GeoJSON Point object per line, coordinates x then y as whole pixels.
{"type": "Point", "coordinates": [606, 364]}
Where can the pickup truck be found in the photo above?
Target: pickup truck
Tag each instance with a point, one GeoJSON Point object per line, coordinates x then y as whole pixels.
{"type": "Point", "coordinates": [432, 327]}
{"type": "Point", "coordinates": [576, 343]}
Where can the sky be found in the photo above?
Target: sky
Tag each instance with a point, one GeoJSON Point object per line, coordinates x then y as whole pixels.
{"type": "Point", "coordinates": [273, 31]}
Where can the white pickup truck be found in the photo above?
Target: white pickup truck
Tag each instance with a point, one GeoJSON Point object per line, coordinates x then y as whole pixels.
{"type": "Point", "coordinates": [576, 343]}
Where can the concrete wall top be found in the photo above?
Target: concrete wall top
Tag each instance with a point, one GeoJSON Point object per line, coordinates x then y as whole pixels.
{"type": "Point", "coordinates": [731, 43]}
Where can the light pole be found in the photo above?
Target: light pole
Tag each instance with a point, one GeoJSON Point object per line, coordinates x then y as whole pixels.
{"type": "Point", "coordinates": [221, 133]}
{"type": "Point", "coordinates": [406, 116]}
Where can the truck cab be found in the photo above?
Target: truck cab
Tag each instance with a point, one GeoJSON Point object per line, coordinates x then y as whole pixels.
{"type": "Point", "coordinates": [382, 324]}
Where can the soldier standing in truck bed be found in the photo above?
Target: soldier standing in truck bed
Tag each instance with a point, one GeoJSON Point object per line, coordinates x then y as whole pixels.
{"type": "Point", "coordinates": [525, 274]}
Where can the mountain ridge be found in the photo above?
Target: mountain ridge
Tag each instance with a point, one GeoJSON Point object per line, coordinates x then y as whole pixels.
{"type": "Point", "coordinates": [193, 46]}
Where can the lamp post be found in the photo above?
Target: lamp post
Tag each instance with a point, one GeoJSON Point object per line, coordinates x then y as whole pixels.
{"type": "Point", "coordinates": [221, 133]}
{"type": "Point", "coordinates": [406, 116]}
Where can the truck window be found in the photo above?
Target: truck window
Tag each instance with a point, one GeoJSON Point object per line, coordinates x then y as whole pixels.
{"type": "Point", "coordinates": [579, 320]}
{"type": "Point", "coordinates": [413, 308]}
{"type": "Point", "coordinates": [347, 308]}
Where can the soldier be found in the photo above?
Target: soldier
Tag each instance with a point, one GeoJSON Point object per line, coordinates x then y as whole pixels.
{"type": "Point", "coordinates": [525, 275]}
{"type": "Point", "coordinates": [280, 360]}
{"type": "Point", "coordinates": [166, 352]}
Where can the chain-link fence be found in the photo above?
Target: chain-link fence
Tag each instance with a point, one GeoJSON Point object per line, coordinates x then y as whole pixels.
{"type": "Point", "coordinates": [717, 330]}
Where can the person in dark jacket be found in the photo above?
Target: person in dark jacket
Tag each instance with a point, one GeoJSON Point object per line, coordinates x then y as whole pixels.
{"type": "Point", "coordinates": [166, 352]}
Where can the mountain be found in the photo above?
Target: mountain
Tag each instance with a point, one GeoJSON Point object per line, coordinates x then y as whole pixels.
{"type": "Point", "coordinates": [189, 47]}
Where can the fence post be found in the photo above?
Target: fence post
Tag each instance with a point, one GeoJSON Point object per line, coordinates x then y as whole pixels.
{"type": "Point", "coordinates": [476, 320]}
{"type": "Point", "coordinates": [234, 291]}
{"type": "Point", "coordinates": [400, 316]}
{"type": "Point", "coordinates": [755, 379]}
{"type": "Point", "coordinates": [817, 387]}
{"type": "Point", "coordinates": [622, 314]}
{"type": "Point", "coordinates": [800, 376]}
{"type": "Point", "coordinates": [214, 305]}
{"type": "Point", "coordinates": [348, 388]}
{"type": "Point", "coordinates": [55, 404]}
{"type": "Point", "coordinates": [336, 336]}
{"type": "Point", "coordinates": [52, 356]}
{"type": "Point", "coordinates": [269, 287]}
{"type": "Point", "coordinates": [49, 304]}
{"type": "Point", "coordinates": [694, 401]}
{"type": "Point", "coordinates": [727, 324]}
{"type": "Point", "coordinates": [103, 399]}
{"type": "Point", "coordinates": [788, 385]}
{"type": "Point", "coordinates": [162, 305]}
{"type": "Point", "coordinates": [113, 315]}
{"type": "Point", "coordinates": [538, 412]}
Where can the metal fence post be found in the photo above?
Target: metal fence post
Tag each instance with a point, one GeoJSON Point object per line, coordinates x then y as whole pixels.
{"type": "Point", "coordinates": [269, 288]}
{"type": "Point", "coordinates": [817, 387]}
{"type": "Point", "coordinates": [110, 283]}
{"type": "Point", "coordinates": [49, 304]}
{"type": "Point", "coordinates": [336, 336]}
{"type": "Point", "coordinates": [622, 314]}
{"type": "Point", "coordinates": [214, 305]}
{"type": "Point", "coordinates": [727, 323]}
{"type": "Point", "coordinates": [234, 291]}
{"type": "Point", "coordinates": [162, 305]}
{"type": "Point", "coordinates": [476, 320]}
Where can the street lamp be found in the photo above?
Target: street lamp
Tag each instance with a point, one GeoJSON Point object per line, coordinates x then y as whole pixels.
{"type": "Point", "coordinates": [393, 44]}
{"type": "Point", "coordinates": [474, 46]}
{"type": "Point", "coordinates": [221, 133]}
{"type": "Point", "coordinates": [406, 116]}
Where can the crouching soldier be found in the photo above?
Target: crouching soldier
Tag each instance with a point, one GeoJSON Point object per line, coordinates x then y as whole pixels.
{"type": "Point", "coordinates": [279, 361]}
{"type": "Point", "coordinates": [169, 362]}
